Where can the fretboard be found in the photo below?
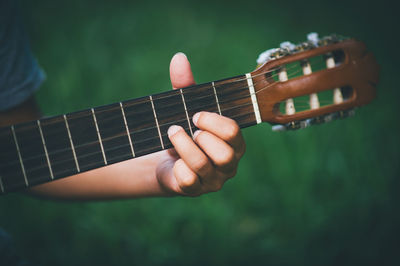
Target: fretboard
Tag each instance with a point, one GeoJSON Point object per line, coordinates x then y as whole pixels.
{"type": "Point", "coordinates": [40, 151]}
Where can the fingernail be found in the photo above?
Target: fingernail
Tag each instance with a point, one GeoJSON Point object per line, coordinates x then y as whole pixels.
{"type": "Point", "coordinates": [172, 130]}
{"type": "Point", "coordinates": [180, 53]}
{"type": "Point", "coordinates": [196, 118]}
{"type": "Point", "coordinates": [196, 133]}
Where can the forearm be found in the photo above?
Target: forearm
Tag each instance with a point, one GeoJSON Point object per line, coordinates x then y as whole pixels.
{"type": "Point", "coordinates": [129, 179]}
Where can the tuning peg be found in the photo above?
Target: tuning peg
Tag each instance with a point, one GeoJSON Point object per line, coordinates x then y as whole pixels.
{"type": "Point", "coordinates": [316, 120]}
{"type": "Point", "coordinates": [340, 115]}
{"type": "Point", "coordinates": [337, 115]}
{"type": "Point", "coordinates": [266, 56]}
{"type": "Point", "coordinates": [279, 128]}
{"type": "Point", "coordinates": [345, 113]}
{"type": "Point", "coordinates": [294, 125]}
{"type": "Point", "coordinates": [313, 38]}
{"type": "Point", "coordinates": [285, 127]}
{"type": "Point", "coordinates": [288, 46]}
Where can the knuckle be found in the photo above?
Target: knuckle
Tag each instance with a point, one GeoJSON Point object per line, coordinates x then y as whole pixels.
{"type": "Point", "coordinates": [241, 151]}
{"type": "Point", "coordinates": [217, 186]}
{"type": "Point", "coordinates": [188, 181]}
{"type": "Point", "coordinates": [232, 131]}
{"type": "Point", "coordinates": [201, 164]}
{"type": "Point", "coordinates": [225, 158]}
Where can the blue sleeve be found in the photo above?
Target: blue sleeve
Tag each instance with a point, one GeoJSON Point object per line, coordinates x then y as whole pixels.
{"type": "Point", "coordinates": [20, 74]}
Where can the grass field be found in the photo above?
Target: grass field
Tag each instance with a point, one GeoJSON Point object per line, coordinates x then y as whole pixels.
{"type": "Point", "coordinates": [327, 195]}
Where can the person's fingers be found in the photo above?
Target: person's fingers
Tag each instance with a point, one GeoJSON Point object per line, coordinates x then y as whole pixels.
{"type": "Point", "coordinates": [187, 180]}
{"type": "Point", "coordinates": [220, 152]}
{"type": "Point", "coordinates": [227, 129]}
{"type": "Point", "coordinates": [189, 152]}
{"type": "Point", "coordinates": [180, 71]}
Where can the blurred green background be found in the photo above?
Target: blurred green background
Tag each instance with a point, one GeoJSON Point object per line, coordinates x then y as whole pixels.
{"type": "Point", "coordinates": [327, 195]}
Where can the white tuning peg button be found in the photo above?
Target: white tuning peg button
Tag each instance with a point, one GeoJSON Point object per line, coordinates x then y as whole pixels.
{"type": "Point", "coordinates": [288, 45]}
{"type": "Point", "coordinates": [266, 56]}
{"type": "Point", "coordinates": [313, 38]}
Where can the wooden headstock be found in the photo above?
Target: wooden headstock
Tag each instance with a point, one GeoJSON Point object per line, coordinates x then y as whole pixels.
{"type": "Point", "coordinates": [346, 71]}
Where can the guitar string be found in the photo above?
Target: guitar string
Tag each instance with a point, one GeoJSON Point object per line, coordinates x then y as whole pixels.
{"type": "Point", "coordinates": [95, 142]}
{"type": "Point", "coordinates": [123, 134]}
{"type": "Point", "coordinates": [27, 127]}
{"type": "Point", "coordinates": [110, 138]}
{"type": "Point", "coordinates": [127, 113]}
{"type": "Point", "coordinates": [114, 148]}
{"type": "Point", "coordinates": [54, 132]}
{"type": "Point", "coordinates": [147, 151]}
{"type": "Point", "coordinates": [59, 118]}
{"type": "Point", "coordinates": [45, 165]}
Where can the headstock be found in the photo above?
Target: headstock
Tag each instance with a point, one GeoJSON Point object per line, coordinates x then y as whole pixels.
{"type": "Point", "coordinates": [314, 82]}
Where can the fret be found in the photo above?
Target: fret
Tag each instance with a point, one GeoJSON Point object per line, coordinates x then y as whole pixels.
{"type": "Point", "coordinates": [98, 135]}
{"type": "Point", "coordinates": [85, 139]}
{"type": "Point", "coordinates": [253, 97]}
{"type": "Point", "coordinates": [235, 100]}
{"type": "Point", "coordinates": [71, 143]}
{"type": "Point", "coordinates": [11, 172]}
{"type": "Point", "coordinates": [216, 98]}
{"type": "Point", "coordinates": [200, 98]}
{"type": "Point", "coordinates": [58, 145]}
{"type": "Point", "coordinates": [142, 126]}
{"type": "Point", "coordinates": [19, 155]}
{"type": "Point", "coordinates": [45, 149]}
{"type": "Point", "coordinates": [33, 155]}
{"type": "Point", "coordinates": [155, 118]}
{"type": "Point", "coordinates": [113, 132]}
{"type": "Point", "coordinates": [127, 129]}
{"type": "Point", "coordinates": [187, 116]}
{"type": "Point", "coordinates": [170, 111]}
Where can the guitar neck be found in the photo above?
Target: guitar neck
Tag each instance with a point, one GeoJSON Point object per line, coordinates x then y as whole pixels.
{"type": "Point", "coordinates": [40, 151]}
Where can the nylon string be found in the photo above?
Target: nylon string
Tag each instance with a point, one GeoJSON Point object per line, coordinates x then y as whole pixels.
{"type": "Point", "coordinates": [148, 128]}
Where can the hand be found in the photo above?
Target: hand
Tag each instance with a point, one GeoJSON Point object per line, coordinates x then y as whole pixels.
{"type": "Point", "coordinates": [194, 167]}
{"type": "Point", "coordinates": [202, 164]}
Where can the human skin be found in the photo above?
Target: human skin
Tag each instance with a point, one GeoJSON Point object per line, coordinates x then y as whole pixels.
{"type": "Point", "coordinates": [193, 167]}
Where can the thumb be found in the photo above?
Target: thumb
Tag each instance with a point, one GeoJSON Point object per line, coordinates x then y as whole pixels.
{"type": "Point", "coordinates": [180, 72]}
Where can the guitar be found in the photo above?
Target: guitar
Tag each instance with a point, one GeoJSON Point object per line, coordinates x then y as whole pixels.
{"type": "Point", "coordinates": [294, 86]}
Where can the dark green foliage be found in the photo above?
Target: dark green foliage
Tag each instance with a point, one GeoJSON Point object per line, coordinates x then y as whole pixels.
{"type": "Point", "coordinates": [327, 195]}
